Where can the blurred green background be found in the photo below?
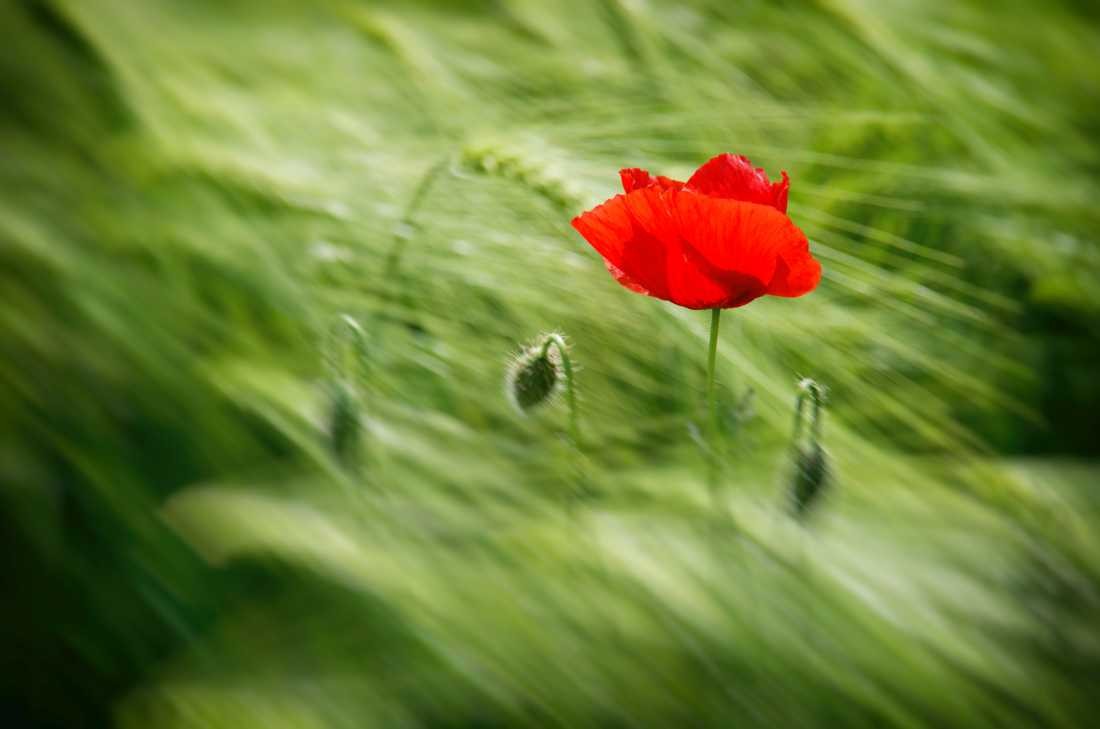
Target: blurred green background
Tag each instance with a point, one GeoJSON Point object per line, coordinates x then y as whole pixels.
{"type": "Point", "coordinates": [193, 193]}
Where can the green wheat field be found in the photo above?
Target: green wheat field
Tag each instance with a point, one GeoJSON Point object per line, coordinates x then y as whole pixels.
{"type": "Point", "coordinates": [263, 265]}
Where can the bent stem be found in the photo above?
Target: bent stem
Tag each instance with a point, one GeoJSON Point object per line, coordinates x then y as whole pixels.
{"type": "Point", "coordinates": [403, 231]}
{"type": "Point", "coordinates": [816, 394]}
{"type": "Point", "coordinates": [570, 391]}
{"type": "Point", "coordinates": [712, 404]}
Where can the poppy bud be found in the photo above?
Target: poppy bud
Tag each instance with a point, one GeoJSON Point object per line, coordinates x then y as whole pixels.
{"type": "Point", "coordinates": [347, 361]}
{"type": "Point", "coordinates": [344, 422]}
{"type": "Point", "coordinates": [811, 472]}
{"type": "Point", "coordinates": [811, 476]}
{"type": "Point", "coordinates": [535, 374]}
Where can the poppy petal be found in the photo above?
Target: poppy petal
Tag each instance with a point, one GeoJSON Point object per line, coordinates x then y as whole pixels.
{"type": "Point", "coordinates": [625, 280]}
{"type": "Point", "coordinates": [658, 251]}
{"type": "Point", "coordinates": [734, 177]}
{"type": "Point", "coordinates": [655, 242]}
{"type": "Point", "coordinates": [610, 229]}
{"type": "Point", "coordinates": [635, 178]}
{"type": "Point", "coordinates": [748, 239]}
{"type": "Point", "coordinates": [639, 239]}
{"type": "Point", "coordinates": [796, 273]}
{"type": "Point", "coordinates": [722, 239]}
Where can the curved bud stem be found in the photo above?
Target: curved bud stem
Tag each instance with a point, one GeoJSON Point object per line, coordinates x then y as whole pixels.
{"type": "Point", "coordinates": [554, 339]}
{"type": "Point", "coordinates": [404, 230]}
{"type": "Point", "coordinates": [818, 418]}
{"type": "Point", "coordinates": [346, 349]}
{"type": "Point", "coordinates": [817, 395]}
{"type": "Point", "coordinates": [355, 347]}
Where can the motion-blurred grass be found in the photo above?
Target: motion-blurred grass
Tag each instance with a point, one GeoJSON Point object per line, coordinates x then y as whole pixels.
{"type": "Point", "coordinates": [194, 192]}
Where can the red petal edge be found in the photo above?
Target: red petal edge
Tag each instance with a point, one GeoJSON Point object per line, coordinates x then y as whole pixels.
{"type": "Point", "coordinates": [734, 177]}
{"type": "Point", "coordinates": [635, 178]}
{"type": "Point", "coordinates": [623, 279]}
{"type": "Point", "coordinates": [796, 273]}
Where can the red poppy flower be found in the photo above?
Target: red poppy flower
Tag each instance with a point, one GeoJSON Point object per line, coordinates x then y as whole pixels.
{"type": "Point", "coordinates": [719, 240]}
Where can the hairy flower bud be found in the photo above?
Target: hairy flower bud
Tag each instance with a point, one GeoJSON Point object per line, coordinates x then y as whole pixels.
{"type": "Point", "coordinates": [810, 477]}
{"type": "Point", "coordinates": [346, 358]}
{"type": "Point", "coordinates": [535, 375]}
{"type": "Point", "coordinates": [344, 422]}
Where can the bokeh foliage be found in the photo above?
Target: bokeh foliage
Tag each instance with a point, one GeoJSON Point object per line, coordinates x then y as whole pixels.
{"type": "Point", "coordinates": [196, 191]}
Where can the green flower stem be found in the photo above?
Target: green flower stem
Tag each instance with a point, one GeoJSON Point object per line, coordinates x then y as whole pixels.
{"type": "Point", "coordinates": [570, 390]}
{"type": "Point", "coordinates": [712, 403]}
